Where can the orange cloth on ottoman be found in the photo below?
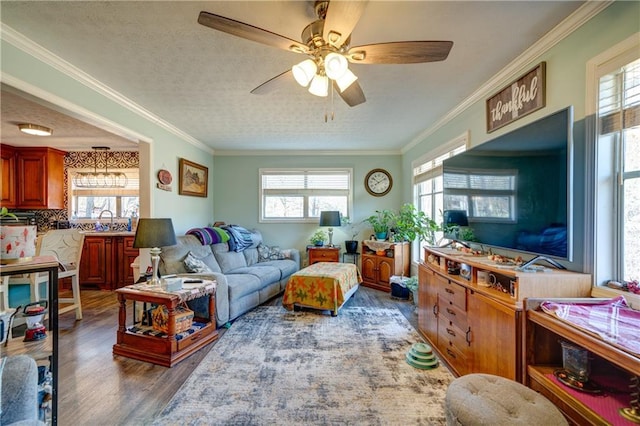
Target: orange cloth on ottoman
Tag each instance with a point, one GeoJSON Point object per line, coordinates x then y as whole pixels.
{"type": "Point", "coordinates": [323, 285]}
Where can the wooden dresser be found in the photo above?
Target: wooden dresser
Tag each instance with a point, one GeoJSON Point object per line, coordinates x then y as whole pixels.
{"type": "Point", "coordinates": [477, 328]}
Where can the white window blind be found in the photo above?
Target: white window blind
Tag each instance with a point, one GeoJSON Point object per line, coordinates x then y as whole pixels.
{"type": "Point", "coordinates": [619, 99]}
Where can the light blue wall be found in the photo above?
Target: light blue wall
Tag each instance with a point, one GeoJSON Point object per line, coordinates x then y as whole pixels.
{"type": "Point", "coordinates": [566, 85]}
{"type": "Point", "coordinates": [166, 148]}
{"type": "Point", "coordinates": [236, 196]}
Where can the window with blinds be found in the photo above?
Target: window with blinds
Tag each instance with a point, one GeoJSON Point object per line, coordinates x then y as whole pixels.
{"type": "Point", "coordinates": [487, 195]}
{"type": "Point", "coordinates": [301, 194]}
{"type": "Point", "coordinates": [427, 182]}
{"type": "Point", "coordinates": [88, 203]}
{"type": "Point", "coordinates": [619, 99]}
{"type": "Point", "coordinates": [619, 160]}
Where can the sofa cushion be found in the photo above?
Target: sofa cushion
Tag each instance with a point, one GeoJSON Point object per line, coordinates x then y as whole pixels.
{"type": "Point", "coordinates": [266, 274]}
{"type": "Point", "coordinates": [286, 266]}
{"type": "Point", "coordinates": [228, 260]}
{"type": "Point", "coordinates": [172, 257]}
{"type": "Point", "coordinates": [242, 284]}
{"type": "Point", "coordinates": [251, 256]}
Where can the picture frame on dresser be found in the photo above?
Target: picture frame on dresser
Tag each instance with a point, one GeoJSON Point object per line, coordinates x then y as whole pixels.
{"type": "Point", "coordinates": [193, 179]}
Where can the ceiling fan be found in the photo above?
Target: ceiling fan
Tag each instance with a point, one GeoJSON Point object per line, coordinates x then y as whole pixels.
{"type": "Point", "coordinates": [327, 43]}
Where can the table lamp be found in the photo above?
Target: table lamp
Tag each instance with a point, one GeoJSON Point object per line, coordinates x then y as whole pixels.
{"type": "Point", "coordinates": [330, 219]}
{"type": "Point", "coordinates": [153, 234]}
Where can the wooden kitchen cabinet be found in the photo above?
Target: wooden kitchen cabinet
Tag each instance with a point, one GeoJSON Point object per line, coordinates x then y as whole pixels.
{"type": "Point", "coordinates": [106, 261]}
{"type": "Point", "coordinates": [7, 153]}
{"type": "Point", "coordinates": [39, 178]}
{"type": "Point", "coordinates": [476, 328]}
{"type": "Point", "coordinates": [377, 270]}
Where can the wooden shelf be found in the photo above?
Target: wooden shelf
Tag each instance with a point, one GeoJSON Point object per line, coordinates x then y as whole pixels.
{"type": "Point", "coordinates": [544, 333]}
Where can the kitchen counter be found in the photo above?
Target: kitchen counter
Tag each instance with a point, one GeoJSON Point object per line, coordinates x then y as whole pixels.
{"type": "Point", "coordinates": [109, 233]}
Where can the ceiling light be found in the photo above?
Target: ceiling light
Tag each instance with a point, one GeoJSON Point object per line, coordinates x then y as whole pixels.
{"type": "Point", "coordinates": [335, 65]}
{"type": "Point", "coordinates": [100, 179]}
{"type": "Point", "coordinates": [304, 72]}
{"type": "Point", "coordinates": [34, 129]}
{"type": "Point", "coordinates": [347, 79]}
{"type": "Point", "coordinates": [319, 85]}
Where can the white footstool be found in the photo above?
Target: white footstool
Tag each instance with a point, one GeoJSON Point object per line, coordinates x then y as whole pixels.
{"type": "Point", "coordinates": [484, 399]}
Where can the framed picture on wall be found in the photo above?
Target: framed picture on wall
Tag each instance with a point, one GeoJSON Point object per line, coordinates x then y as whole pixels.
{"type": "Point", "coordinates": [193, 179]}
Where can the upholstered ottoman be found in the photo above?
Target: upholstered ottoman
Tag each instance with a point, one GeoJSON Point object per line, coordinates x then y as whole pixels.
{"type": "Point", "coordinates": [20, 391]}
{"type": "Point", "coordinates": [484, 399]}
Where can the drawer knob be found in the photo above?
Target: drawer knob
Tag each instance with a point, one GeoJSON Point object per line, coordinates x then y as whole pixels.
{"type": "Point", "coordinates": [448, 290]}
{"type": "Point", "coordinates": [451, 311]}
{"type": "Point", "coordinates": [451, 332]}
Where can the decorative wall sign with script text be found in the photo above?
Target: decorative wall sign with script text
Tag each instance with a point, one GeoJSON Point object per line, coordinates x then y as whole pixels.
{"type": "Point", "coordinates": [520, 98]}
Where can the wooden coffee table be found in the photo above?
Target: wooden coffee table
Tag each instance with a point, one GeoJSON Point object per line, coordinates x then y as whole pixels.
{"type": "Point", "coordinates": [138, 341]}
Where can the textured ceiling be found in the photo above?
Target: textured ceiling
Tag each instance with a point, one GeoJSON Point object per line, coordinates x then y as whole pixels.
{"type": "Point", "coordinates": [199, 80]}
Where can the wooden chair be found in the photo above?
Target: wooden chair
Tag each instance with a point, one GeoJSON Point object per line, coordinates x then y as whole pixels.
{"type": "Point", "coordinates": [66, 246]}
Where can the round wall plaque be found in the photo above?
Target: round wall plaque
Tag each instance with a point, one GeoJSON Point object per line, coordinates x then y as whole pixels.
{"type": "Point", "coordinates": [164, 176]}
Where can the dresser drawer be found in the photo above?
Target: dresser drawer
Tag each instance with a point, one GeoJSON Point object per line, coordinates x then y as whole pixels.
{"type": "Point", "coordinates": [453, 314]}
{"type": "Point", "coordinates": [323, 255]}
{"type": "Point", "coordinates": [454, 294]}
{"type": "Point", "coordinates": [455, 357]}
{"type": "Point", "coordinates": [452, 335]}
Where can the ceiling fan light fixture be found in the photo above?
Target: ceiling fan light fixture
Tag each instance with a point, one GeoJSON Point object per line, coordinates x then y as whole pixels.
{"type": "Point", "coordinates": [335, 65]}
{"type": "Point", "coordinates": [347, 79]}
{"type": "Point", "coordinates": [319, 85]}
{"type": "Point", "coordinates": [35, 129]}
{"type": "Point", "coordinates": [304, 72]}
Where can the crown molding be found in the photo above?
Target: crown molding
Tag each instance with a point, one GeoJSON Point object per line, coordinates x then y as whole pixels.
{"type": "Point", "coordinates": [21, 42]}
{"type": "Point", "coordinates": [280, 153]}
{"type": "Point", "coordinates": [574, 21]}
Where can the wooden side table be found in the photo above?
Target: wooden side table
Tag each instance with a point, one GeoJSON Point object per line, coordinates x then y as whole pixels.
{"type": "Point", "coordinates": [323, 254]}
{"type": "Point", "coordinates": [164, 350]}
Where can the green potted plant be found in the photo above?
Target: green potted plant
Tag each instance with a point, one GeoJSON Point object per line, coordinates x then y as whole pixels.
{"type": "Point", "coordinates": [4, 212]}
{"type": "Point", "coordinates": [381, 222]}
{"type": "Point", "coordinates": [411, 223]}
{"type": "Point", "coordinates": [318, 238]}
{"type": "Point", "coordinates": [412, 284]}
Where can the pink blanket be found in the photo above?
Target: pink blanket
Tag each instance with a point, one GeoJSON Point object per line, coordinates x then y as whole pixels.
{"type": "Point", "coordinates": [613, 320]}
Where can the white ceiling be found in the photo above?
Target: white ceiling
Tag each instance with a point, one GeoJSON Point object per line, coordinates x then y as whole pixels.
{"type": "Point", "coordinates": [199, 80]}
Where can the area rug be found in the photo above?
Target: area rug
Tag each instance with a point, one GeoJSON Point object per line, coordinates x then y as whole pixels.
{"type": "Point", "coordinates": [275, 367]}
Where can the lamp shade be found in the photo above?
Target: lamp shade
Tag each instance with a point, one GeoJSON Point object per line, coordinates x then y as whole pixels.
{"type": "Point", "coordinates": [154, 233]}
{"type": "Point", "coordinates": [319, 85]}
{"type": "Point", "coordinates": [335, 65]}
{"type": "Point", "coordinates": [455, 217]}
{"type": "Point", "coordinates": [330, 218]}
{"type": "Point", "coordinates": [304, 72]}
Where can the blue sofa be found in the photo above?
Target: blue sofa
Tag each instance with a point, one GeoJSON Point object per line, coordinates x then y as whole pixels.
{"type": "Point", "coordinates": [247, 276]}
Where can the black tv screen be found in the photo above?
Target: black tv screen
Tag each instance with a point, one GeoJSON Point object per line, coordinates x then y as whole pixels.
{"type": "Point", "coordinates": [516, 189]}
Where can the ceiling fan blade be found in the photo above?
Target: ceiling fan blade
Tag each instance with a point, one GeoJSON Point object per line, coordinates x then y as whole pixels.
{"type": "Point", "coordinates": [341, 19]}
{"type": "Point", "coordinates": [249, 32]}
{"type": "Point", "coordinates": [400, 52]}
{"type": "Point", "coordinates": [275, 83]}
{"type": "Point", "coordinates": [353, 95]}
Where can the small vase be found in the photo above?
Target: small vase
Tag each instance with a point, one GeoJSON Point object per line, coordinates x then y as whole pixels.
{"type": "Point", "coordinates": [381, 236]}
{"type": "Point", "coordinates": [319, 243]}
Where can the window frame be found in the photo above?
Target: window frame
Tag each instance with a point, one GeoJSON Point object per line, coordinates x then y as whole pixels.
{"type": "Point", "coordinates": [423, 172]}
{"type": "Point", "coordinates": [602, 257]}
{"type": "Point", "coordinates": [306, 193]}
{"type": "Point", "coordinates": [132, 174]}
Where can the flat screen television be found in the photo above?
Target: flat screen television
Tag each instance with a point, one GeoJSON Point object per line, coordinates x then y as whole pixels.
{"type": "Point", "coordinates": [516, 189]}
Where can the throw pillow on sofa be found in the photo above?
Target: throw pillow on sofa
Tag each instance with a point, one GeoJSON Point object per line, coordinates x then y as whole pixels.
{"type": "Point", "coordinates": [193, 264]}
{"type": "Point", "coordinates": [266, 253]}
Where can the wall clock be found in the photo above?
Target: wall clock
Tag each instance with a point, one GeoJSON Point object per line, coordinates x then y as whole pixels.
{"type": "Point", "coordinates": [378, 182]}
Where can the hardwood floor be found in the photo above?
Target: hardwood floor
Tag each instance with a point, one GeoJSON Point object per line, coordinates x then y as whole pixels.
{"type": "Point", "coordinates": [97, 388]}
